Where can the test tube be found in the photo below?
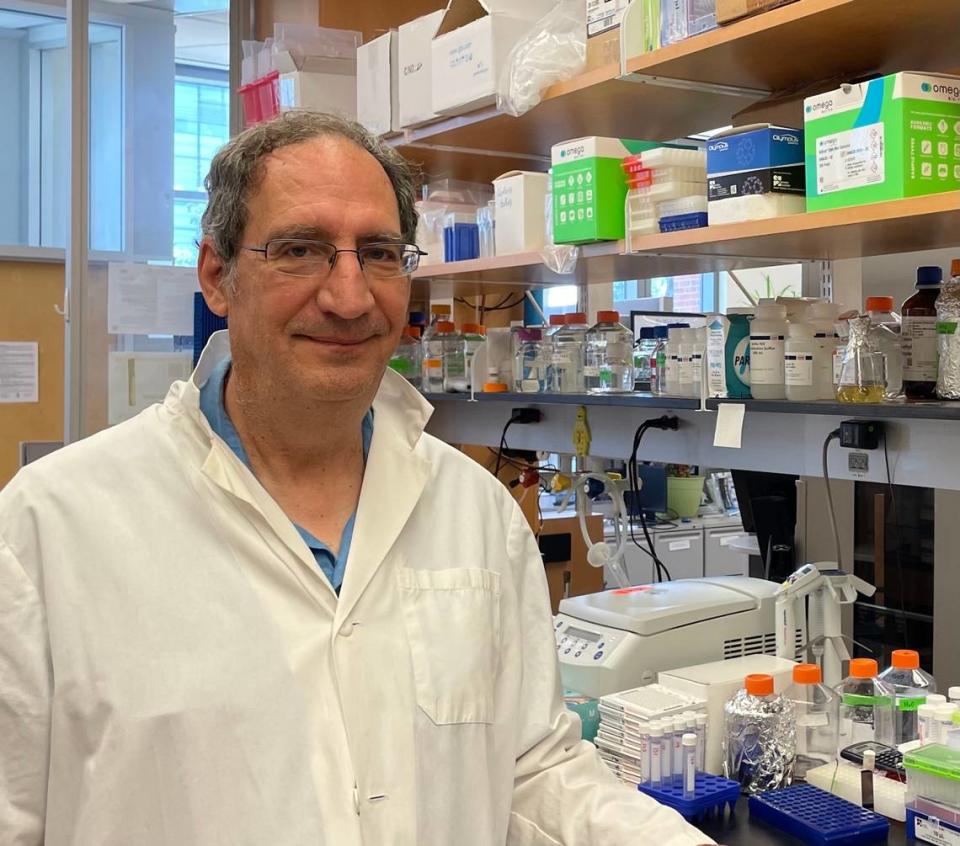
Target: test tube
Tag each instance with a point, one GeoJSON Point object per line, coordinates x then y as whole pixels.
{"type": "Point", "coordinates": [666, 752]}
{"type": "Point", "coordinates": [656, 753]}
{"type": "Point", "coordinates": [644, 752]}
{"type": "Point", "coordinates": [679, 727]}
{"type": "Point", "coordinates": [702, 742]}
{"type": "Point", "coordinates": [689, 746]}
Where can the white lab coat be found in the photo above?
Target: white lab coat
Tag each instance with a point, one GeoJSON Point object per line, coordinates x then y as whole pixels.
{"type": "Point", "coordinates": [175, 669]}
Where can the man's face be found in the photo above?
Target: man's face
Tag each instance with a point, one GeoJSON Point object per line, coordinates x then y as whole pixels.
{"type": "Point", "coordinates": [324, 339]}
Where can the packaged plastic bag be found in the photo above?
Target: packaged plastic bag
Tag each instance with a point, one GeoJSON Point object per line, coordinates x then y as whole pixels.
{"type": "Point", "coordinates": [555, 49]}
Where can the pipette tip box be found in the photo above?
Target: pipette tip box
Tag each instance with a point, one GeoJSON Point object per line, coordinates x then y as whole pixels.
{"type": "Point", "coordinates": [817, 817]}
{"type": "Point", "coordinates": [712, 793]}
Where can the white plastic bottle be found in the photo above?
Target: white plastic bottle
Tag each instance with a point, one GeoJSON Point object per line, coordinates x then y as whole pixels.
{"type": "Point", "coordinates": [822, 316]}
{"type": "Point", "coordinates": [768, 333]}
{"type": "Point", "coordinates": [608, 356]}
{"type": "Point", "coordinates": [698, 355]}
{"type": "Point", "coordinates": [684, 362]}
{"type": "Point", "coordinates": [672, 355]}
{"type": "Point", "coordinates": [799, 362]}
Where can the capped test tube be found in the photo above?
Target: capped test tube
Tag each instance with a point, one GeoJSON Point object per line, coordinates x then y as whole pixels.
{"type": "Point", "coordinates": [666, 751]}
{"type": "Point", "coordinates": [689, 746]}
{"type": "Point", "coordinates": [679, 728]}
{"type": "Point", "coordinates": [656, 753]}
{"type": "Point", "coordinates": [644, 752]}
{"type": "Point", "coordinates": [702, 742]}
{"type": "Point", "coordinates": [926, 721]}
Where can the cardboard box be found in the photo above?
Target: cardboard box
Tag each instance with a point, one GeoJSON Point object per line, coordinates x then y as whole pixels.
{"type": "Point", "coordinates": [603, 32]}
{"type": "Point", "coordinates": [414, 64]}
{"type": "Point", "coordinates": [471, 49]}
{"type": "Point", "coordinates": [329, 86]}
{"type": "Point", "coordinates": [589, 188]}
{"type": "Point", "coordinates": [377, 87]}
{"type": "Point", "coordinates": [520, 217]}
{"type": "Point", "coordinates": [754, 147]}
{"type": "Point", "coordinates": [894, 137]}
{"type": "Point", "coordinates": [731, 10]}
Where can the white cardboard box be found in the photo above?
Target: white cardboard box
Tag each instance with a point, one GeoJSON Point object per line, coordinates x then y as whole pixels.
{"type": "Point", "coordinates": [521, 220]}
{"type": "Point", "coordinates": [331, 86]}
{"type": "Point", "coordinates": [377, 88]}
{"type": "Point", "coordinates": [472, 46]}
{"type": "Point", "coordinates": [414, 63]}
{"type": "Point", "coordinates": [716, 683]}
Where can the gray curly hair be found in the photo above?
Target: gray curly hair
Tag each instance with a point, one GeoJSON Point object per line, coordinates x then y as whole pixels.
{"type": "Point", "coordinates": [236, 171]}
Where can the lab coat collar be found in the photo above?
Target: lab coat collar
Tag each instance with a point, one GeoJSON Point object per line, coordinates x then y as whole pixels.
{"type": "Point", "coordinates": [395, 472]}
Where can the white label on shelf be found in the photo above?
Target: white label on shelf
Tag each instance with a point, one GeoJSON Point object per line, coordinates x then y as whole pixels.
{"type": "Point", "coordinates": [930, 831]}
{"type": "Point", "coordinates": [919, 339]}
{"type": "Point", "coordinates": [850, 159]}
{"type": "Point", "coordinates": [729, 432]}
{"type": "Point", "coordinates": [676, 546]}
{"type": "Point", "coordinates": [766, 360]}
{"type": "Point", "coordinates": [798, 369]}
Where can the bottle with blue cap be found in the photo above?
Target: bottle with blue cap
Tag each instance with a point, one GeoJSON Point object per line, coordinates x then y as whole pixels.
{"type": "Point", "coordinates": [918, 335]}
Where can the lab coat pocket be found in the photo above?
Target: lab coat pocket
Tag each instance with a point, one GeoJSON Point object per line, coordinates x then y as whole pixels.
{"type": "Point", "coordinates": [452, 619]}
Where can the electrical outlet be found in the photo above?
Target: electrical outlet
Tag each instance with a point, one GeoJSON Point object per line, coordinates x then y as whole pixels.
{"type": "Point", "coordinates": [858, 462]}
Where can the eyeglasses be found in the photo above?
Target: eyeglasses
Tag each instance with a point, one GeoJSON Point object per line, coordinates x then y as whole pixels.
{"type": "Point", "coordinates": [299, 257]}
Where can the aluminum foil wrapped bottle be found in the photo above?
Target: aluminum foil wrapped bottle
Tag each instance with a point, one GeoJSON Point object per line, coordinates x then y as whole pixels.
{"type": "Point", "coordinates": [760, 737]}
{"type": "Point", "coordinates": [948, 340]}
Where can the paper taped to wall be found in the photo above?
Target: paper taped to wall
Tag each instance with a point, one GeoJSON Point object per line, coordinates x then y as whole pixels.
{"type": "Point", "coordinates": [138, 380]}
{"type": "Point", "coordinates": [19, 371]}
{"type": "Point", "coordinates": [150, 299]}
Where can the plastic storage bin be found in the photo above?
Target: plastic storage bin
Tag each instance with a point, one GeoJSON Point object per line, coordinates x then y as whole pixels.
{"type": "Point", "coordinates": [933, 772]}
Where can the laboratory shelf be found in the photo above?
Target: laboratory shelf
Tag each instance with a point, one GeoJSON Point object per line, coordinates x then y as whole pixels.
{"type": "Point", "coordinates": [699, 83]}
{"type": "Point", "coordinates": [896, 226]}
{"type": "Point", "coordinates": [897, 410]}
{"type": "Point", "coordinates": [635, 400]}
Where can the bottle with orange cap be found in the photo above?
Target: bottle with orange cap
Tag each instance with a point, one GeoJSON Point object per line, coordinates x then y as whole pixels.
{"type": "Point", "coordinates": [817, 710]}
{"type": "Point", "coordinates": [608, 356]}
{"type": "Point", "coordinates": [866, 706]}
{"type": "Point", "coordinates": [760, 736]}
{"type": "Point", "coordinates": [885, 332]}
{"type": "Point", "coordinates": [567, 354]}
{"type": "Point", "coordinates": [911, 686]}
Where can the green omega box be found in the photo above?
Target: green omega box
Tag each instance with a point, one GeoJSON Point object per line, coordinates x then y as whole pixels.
{"type": "Point", "coordinates": [893, 137]}
{"type": "Point", "coordinates": [589, 188]}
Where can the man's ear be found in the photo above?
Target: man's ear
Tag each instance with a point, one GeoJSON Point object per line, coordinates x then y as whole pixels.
{"type": "Point", "coordinates": [212, 273]}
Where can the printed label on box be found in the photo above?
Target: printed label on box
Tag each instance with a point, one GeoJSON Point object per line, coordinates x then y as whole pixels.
{"type": "Point", "coordinates": [774, 180]}
{"type": "Point", "coordinates": [850, 159]}
{"type": "Point", "coordinates": [930, 831]}
{"type": "Point", "coordinates": [604, 15]}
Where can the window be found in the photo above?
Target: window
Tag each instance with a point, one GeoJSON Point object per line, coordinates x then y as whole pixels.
{"type": "Point", "coordinates": [201, 127]}
{"type": "Point", "coordinates": [560, 300]}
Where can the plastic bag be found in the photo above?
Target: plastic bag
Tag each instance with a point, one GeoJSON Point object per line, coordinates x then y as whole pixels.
{"type": "Point", "coordinates": [560, 258]}
{"type": "Point", "coordinates": [555, 49]}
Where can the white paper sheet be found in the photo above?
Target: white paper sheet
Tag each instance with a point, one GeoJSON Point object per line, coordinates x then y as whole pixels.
{"type": "Point", "coordinates": [19, 371]}
{"type": "Point", "coordinates": [137, 380]}
{"type": "Point", "coordinates": [149, 299]}
{"type": "Point", "coordinates": [729, 425]}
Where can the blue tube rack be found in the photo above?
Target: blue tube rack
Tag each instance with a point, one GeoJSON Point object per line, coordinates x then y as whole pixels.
{"type": "Point", "coordinates": [817, 817]}
{"type": "Point", "coordinates": [711, 794]}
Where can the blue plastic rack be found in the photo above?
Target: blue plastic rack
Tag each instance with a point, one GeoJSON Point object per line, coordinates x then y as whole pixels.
{"type": "Point", "coordinates": [711, 793]}
{"type": "Point", "coordinates": [817, 817]}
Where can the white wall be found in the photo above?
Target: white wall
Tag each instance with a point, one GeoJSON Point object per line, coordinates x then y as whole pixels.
{"type": "Point", "coordinates": [12, 138]}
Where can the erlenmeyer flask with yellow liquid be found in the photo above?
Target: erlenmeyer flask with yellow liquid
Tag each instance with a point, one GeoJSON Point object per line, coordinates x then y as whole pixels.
{"type": "Point", "coordinates": [863, 373]}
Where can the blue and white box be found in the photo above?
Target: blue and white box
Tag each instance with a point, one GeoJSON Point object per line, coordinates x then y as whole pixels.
{"type": "Point", "coordinates": [755, 147]}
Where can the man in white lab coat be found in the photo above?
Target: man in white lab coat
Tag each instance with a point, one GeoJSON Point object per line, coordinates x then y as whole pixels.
{"type": "Point", "coordinates": [271, 610]}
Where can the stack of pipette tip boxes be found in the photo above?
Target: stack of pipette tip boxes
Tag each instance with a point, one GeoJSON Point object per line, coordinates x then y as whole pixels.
{"type": "Point", "coordinates": [667, 190]}
{"type": "Point", "coordinates": [933, 792]}
{"type": "Point", "coordinates": [655, 739]}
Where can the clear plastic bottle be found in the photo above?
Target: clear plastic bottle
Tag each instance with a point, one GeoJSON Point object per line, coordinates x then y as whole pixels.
{"type": "Point", "coordinates": [643, 371]}
{"type": "Point", "coordinates": [454, 358]}
{"type": "Point", "coordinates": [799, 363]}
{"type": "Point", "coordinates": [885, 333]}
{"type": "Point", "coordinates": [530, 366]}
{"type": "Point", "coordinates": [862, 376]}
{"type": "Point", "coordinates": [760, 737]}
{"type": "Point", "coordinates": [911, 685]}
{"type": "Point", "coordinates": [768, 333]}
{"type": "Point", "coordinates": [672, 359]}
{"type": "Point", "coordinates": [822, 316]}
{"type": "Point", "coordinates": [474, 335]}
{"type": "Point", "coordinates": [407, 358]}
{"type": "Point", "coordinates": [818, 712]}
{"type": "Point", "coordinates": [555, 324]}
{"type": "Point", "coordinates": [866, 706]}
{"type": "Point", "coordinates": [658, 362]}
{"type": "Point", "coordinates": [433, 352]}
{"type": "Point", "coordinates": [919, 336]}
{"type": "Point", "coordinates": [608, 361]}
{"type": "Point", "coordinates": [567, 354]}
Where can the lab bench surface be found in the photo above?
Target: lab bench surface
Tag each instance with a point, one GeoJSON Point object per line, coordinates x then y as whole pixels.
{"type": "Point", "coordinates": [739, 830]}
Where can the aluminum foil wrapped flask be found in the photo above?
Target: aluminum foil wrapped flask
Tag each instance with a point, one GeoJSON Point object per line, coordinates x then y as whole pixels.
{"type": "Point", "coordinates": [760, 737]}
{"type": "Point", "coordinates": [948, 340]}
